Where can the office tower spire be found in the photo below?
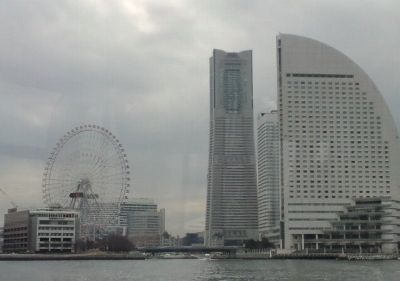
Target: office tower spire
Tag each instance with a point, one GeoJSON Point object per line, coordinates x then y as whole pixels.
{"type": "Point", "coordinates": [231, 214]}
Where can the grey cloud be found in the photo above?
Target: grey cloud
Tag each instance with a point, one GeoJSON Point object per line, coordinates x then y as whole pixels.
{"type": "Point", "coordinates": [22, 151]}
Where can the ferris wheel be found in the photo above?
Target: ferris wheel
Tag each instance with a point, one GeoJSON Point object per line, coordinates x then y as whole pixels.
{"type": "Point", "coordinates": [88, 170]}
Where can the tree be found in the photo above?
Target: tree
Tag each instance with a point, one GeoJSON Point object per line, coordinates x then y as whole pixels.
{"type": "Point", "coordinates": [266, 244]}
{"type": "Point", "coordinates": [83, 245]}
{"type": "Point", "coordinates": [251, 244]}
{"type": "Point", "coordinates": [192, 238]}
{"type": "Point", "coordinates": [263, 244]}
{"type": "Point", "coordinates": [116, 243]}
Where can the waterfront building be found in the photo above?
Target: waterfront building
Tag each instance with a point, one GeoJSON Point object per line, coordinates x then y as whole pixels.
{"type": "Point", "coordinates": [1, 239]}
{"type": "Point", "coordinates": [363, 227]}
{"type": "Point", "coordinates": [16, 231]}
{"type": "Point", "coordinates": [43, 230]}
{"type": "Point", "coordinates": [339, 141]}
{"type": "Point", "coordinates": [103, 222]}
{"type": "Point", "coordinates": [268, 176]}
{"type": "Point", "coordinates": [231, 211]}
{"type": "Point", "coordinates": [145, 228]}
{"type": "Point", "coordinates": [162, 221]}
{"type": "Point", "coordinates": [107, 213]}
{"type": "Point", "coordinates": [144, 223]}
{"type": "Point", "coordinates": [135, 204]}
{"type": "Point", "coordinates": [53, 230]}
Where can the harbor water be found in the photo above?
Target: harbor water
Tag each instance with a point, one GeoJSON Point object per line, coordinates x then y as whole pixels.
{"type": "Point", "coordinates": [212, 270]}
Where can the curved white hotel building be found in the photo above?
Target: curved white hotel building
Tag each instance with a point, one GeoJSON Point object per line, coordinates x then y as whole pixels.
{"type": "Point", "coordinates": [339, 151]}
{"type": "Point", "coordinates": [231, 213]}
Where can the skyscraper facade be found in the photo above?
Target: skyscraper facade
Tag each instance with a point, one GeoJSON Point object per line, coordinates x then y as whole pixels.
{"type": "Point", "coordinates": [231, 213]}
{"type": "Point", "coordinates": [144, 223]}
{"type": "Point", "coordinates": [268, 176]}
{"type": "Point", "coordinates": [338, 142]}
{"type": "Point", "coordinates": [135, 205]}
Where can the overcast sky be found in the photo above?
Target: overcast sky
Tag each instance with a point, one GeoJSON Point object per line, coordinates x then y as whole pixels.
{"type": "Point", "coordinates": [140, 68]}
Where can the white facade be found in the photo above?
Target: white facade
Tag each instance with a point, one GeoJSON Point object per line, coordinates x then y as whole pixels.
{"type": "Point", "coordinates": [231, 212]}
{"type": "Point", "coordinates": [268, 176]}
{"type": "Point", "coordinates": [338, 138]}
{"type": "Point", "coordinates": [54, 230]}
{"type": "Point", "coordinates": [368, 225]}
{"type": "Point", "coordinates": [101, 221]}
{"type": "Point", "coordinates": [104, 213]}
{"type": "Point", "coordinates": [143, 221]}
{"type": "Point", "coordinates": [134, 205]}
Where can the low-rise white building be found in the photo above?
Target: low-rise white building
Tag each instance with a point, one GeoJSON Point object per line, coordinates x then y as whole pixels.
{"type": "Point", "coordinates": [54, 230]}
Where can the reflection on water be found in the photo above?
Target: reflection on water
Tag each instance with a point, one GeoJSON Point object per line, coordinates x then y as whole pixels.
{"type": "Point", "coordinates": [282, 270]}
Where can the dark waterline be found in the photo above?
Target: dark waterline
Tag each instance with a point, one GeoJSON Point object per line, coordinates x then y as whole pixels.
{"type": "Point", "coordinates": [176, 270]}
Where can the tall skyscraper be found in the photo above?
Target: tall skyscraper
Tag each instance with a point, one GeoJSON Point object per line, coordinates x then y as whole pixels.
{"type": "Point", "coordinates": [268, 176]}
{"type": "Point", "coordinates": [339, 143]}
{"type": "Point", "coordinates": [231, 213]}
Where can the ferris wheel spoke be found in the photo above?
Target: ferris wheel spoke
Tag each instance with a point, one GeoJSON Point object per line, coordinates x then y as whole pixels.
{"type": "Point", "coordinates": [115, 173]}
{"type": "Point", "coordinates": [65, 187]}
{"type": "Point", "coordinates": [107, 170]}
{"type": "Point", "coordinates": [98, 168]}
{"type": "Point", "coordinates": [58, 180]}
{"type": "Point", "coordinates": [117, 180]}
{"type": "Point", "coordinates": [105, 164]}
{"type": "Point", "coordinates": [65, 202]}
{"type": "Point", "coordinates": [102, 148]}
{"type": "Point", "coordinates": [108, 175]}
{"type": "Point", "coordinates": [61, 189]}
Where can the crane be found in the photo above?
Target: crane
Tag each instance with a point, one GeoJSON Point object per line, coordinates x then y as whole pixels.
{"type": "Point", "coordinates": [6, 195]}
